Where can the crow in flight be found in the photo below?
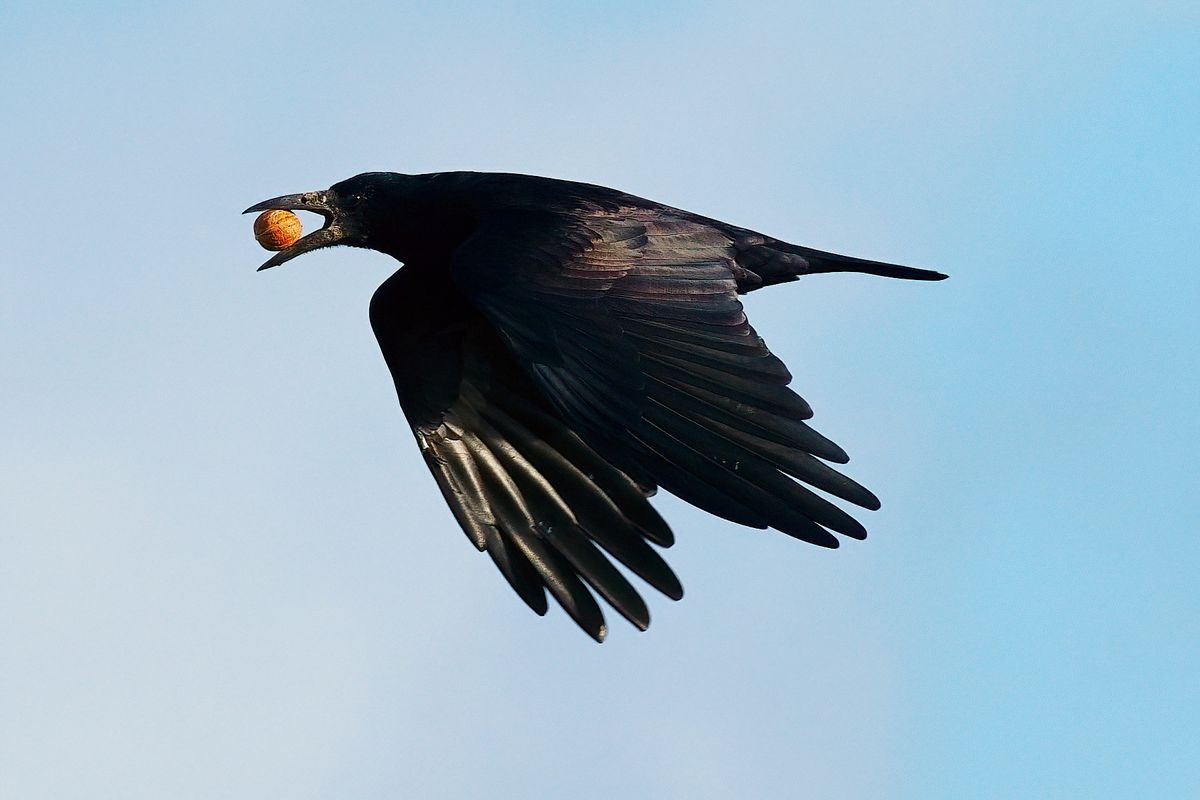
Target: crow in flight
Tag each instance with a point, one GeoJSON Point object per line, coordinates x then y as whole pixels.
{"type": "Point", "coordinates": [561, 349]}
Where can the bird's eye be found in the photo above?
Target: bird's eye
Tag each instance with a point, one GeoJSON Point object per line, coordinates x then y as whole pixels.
{"type": "Point", "coordinates": [352, 202]}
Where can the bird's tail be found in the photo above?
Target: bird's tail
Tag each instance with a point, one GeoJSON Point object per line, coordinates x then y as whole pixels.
{"type": "Point", "coordinates": [777, 262]}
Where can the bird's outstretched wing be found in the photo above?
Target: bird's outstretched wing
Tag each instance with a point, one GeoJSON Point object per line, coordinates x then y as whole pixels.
{"type": "Point", "coordinates": [522, 485]}
{"type": "Point", "coordinates": [629, 322]}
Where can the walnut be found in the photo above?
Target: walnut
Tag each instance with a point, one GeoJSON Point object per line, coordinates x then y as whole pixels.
{"type": "Point", "coordinates": [276, 229]}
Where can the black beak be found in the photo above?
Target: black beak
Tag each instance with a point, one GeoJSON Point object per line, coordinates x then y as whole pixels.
{"type": "Point", "coordinates": [322, 203]}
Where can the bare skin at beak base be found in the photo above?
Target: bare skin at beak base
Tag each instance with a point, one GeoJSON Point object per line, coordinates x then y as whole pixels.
{"type": "Point", "coordinates": [318, 203]}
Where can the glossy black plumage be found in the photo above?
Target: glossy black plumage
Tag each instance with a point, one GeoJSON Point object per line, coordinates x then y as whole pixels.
{"type": "Point", "coordinates": [560, 350]}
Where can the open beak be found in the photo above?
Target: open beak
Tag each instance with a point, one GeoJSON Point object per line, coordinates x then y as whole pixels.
{"type": "Point", "coordinates": [331, 233]}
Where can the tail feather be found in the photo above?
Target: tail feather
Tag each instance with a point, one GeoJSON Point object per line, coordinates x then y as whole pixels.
{"type": "Point", "coordinates": [773, 261]}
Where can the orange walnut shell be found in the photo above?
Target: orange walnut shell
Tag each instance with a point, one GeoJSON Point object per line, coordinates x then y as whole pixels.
{"type": "Point", "coordinates": [276, 229]}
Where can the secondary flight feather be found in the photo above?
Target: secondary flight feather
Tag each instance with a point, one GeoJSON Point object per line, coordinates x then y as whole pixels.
{"type": "Point", "coordinates": [561, 350]}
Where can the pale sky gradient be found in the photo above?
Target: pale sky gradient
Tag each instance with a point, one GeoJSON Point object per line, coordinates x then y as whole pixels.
{"type": "Point", "coordinates": [226, 573]}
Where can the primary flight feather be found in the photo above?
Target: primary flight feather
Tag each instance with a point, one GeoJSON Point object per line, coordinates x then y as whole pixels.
{"type": "Point", "coordinates": [561, 349]}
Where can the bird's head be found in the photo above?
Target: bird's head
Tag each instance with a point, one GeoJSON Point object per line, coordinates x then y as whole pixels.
{"type": "Point", "coordinates": [350, 209]}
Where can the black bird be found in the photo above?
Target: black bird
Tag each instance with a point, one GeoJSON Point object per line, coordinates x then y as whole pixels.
{"type": "Point", "coordinates": [561, 349]}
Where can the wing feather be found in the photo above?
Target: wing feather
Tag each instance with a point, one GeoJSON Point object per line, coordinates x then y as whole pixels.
{"type": "Point", "coordinates": [522, 485]}
{"type": "Point", "coordinates": [629, 322]}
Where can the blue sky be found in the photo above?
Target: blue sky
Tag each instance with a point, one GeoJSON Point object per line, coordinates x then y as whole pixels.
{"type": "Point", "coordinates": [225, 572]}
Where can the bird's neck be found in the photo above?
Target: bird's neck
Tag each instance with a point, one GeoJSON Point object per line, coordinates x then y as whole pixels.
{"type": "Point", "coordinates": [426, 236]}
